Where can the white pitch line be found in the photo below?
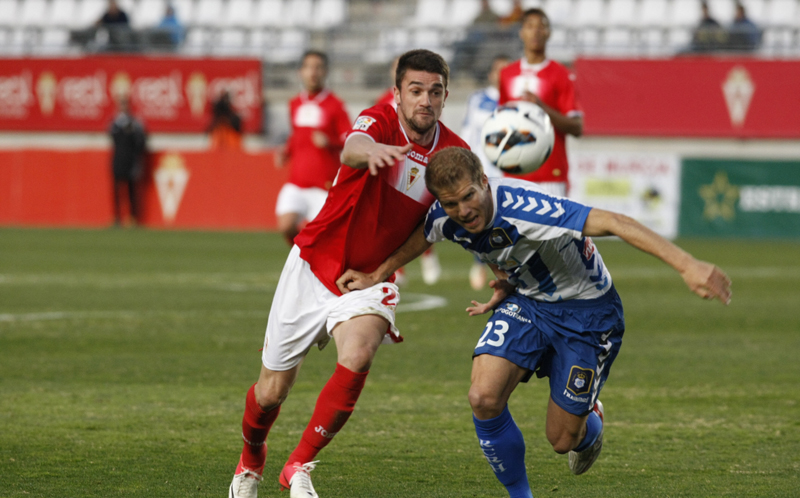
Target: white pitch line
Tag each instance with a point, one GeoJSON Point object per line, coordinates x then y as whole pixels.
{"type": "Point", "coordinates": [420, 302]}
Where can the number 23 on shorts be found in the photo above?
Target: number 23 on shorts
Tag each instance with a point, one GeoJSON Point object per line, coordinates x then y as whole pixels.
{"type": "Point", "coordinates": [493, 328]}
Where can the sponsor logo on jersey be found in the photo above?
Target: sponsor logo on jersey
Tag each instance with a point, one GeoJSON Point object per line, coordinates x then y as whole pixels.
{"type": "Point", "coordinates": [588, 249]}
{"type": "Point", "coordinates": [580, 380]}
{"type": "Point", "coordinates": [512, 307]}
{"type": "Point", "coordinates": [499, 238]}
{"type": "Point", "coordinates": [416, 156]}
{"type": "Point", "coordinates": [512, 310]}
{"type": "Point", "coordinates": [363, 123]}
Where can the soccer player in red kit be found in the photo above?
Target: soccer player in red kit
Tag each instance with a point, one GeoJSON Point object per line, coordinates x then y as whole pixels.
{"type": "Point", "coordinates": [319, 125]}
{"type": "Point", "coordinates": [377, 201]}
{"type": "Point", "coordinates": [545, 82]}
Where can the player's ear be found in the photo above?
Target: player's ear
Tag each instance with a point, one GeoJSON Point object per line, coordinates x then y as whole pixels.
{"type": "Point", "coordinates": [396, 95]}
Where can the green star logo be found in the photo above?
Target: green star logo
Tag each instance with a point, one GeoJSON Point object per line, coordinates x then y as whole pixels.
{"type": "Point", "coordinates": [720, 198]}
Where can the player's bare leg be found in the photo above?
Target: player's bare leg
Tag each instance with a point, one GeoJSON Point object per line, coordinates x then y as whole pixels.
{"type": "Point", "coordinates": [262, 406]}
{"type": "Point", "coordinates": [580, 436]}
{"type": "Point", "coordinates": [357, 341]}
{"type": "Point", "coordinates": [493, 381]}
{"type": "Point", "coordinates": [289, 226]}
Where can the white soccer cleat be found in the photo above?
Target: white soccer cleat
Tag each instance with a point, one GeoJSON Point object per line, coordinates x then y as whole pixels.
{"type": "Point", "coordinates": [477, 276]}
{"type": "Point", "coordinates": [431, 269]}
{"type": "Point", "coordinates": [580, 462]}
{"type": "Point", "coordinates": [244, 485]}
{"type": "Point", "coordinates": [300, 483]}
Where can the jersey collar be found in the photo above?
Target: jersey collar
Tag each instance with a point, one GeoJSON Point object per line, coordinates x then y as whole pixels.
{"type": "Point", "coordinates": [525, 66]}
{"type": "Point", "coordinates": [435, 136]}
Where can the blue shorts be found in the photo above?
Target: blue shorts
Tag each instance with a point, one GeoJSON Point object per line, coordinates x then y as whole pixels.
{"type": "Point", "coordinates": [573, 343]}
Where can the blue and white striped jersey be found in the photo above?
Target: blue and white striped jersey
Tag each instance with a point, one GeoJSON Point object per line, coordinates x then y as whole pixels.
{"type": "Point", "coordinates": [536, 238]}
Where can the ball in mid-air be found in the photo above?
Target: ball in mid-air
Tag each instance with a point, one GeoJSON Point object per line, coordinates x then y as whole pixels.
{"type": "Point", "coordinates": [518, 137]}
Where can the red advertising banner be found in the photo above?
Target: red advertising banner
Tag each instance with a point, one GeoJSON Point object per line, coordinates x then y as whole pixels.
{"type": "Point", "coordinates": [193, 190]}
{"type": "Point", "coordinates": [168, 94]}
{"type": "Point", "coordinates": [693, 96]}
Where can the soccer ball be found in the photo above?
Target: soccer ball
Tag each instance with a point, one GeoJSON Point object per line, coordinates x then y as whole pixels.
{"type": "Point", "coordinates": [518, 137]}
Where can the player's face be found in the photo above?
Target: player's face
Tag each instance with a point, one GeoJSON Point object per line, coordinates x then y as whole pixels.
{"type": "Point", "coordinates": [534, 33]}
{"type": "Point", "coordinates": [420, 100]}
{"type": "Point", "coordinates": [468, 204]}
{"type": "Point", "coordinates": [313, 73]}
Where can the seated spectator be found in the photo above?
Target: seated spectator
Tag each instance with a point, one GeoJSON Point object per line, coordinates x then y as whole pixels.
{"type": "Point", "coordinates": [226, 126]}
{"type": "Point", "coordinates": [486, 15]}
{"type": "Point", "coordinates": [708, 35]}
{"type": "Point", "coordinates": [114, 16]}
{"type": "Point", "coordinates": [743, 34]}
{"type": "Point", "coordinates": [171, 24]}
{"type": "Point", "coordinates": [515, 16]}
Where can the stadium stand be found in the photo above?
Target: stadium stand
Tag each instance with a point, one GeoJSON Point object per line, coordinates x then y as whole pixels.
{"type": "Point", "coordinates": [363, 33]}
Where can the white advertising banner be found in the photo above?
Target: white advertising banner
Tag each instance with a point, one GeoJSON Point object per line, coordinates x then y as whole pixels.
{"type": "Point", "coordinates": [644, 186]}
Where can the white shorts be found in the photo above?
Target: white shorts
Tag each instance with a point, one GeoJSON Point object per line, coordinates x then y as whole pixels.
{"type": "Point", "coordinates": [304, 313]}
{"type": "Point", "coordinates": [554, 188]}
{"type": "Point", "coordinates": [307, 202]}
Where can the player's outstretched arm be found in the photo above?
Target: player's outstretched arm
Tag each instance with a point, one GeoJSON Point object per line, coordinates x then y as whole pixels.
{"type": "Point", "coordinates": [355, 280]}
{"type": "Point", "coordinates": [502, 289]}
{"type": "Point", "coordinates": [571, 125]}
{"type": "Point", "coordinates": [704, 279]}
{"type": "Point", "coordinates": [362, 152]}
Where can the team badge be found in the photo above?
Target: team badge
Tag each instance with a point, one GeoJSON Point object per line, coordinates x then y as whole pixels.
{"type": "Point", "coordinates": [499, 238]}
{"type": "Point", "coordinates": [413, 176]}
{"type": "Point", "coordinates": [363, 123]}
{"type": "Point", "coordinates": [580, 380]}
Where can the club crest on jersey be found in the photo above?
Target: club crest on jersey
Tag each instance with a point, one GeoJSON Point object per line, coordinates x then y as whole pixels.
{"type": "Point", "coordinates": [499, 238]}
{"type": "Point", "coordinates": [580, 380]}
{"type": "Point", "coordinates": [363, 123]}
{"type": "Point", "coordinates": [413, 176]}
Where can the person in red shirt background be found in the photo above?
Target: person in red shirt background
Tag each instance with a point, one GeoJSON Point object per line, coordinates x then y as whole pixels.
{"type": "Point", "coordinates": [319, 123]}
{"type": "Point", "coordinates": [548, 84]}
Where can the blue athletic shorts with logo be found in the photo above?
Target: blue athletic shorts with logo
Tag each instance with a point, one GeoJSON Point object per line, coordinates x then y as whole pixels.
{"type": "Point", "coordinates": [572, 342]}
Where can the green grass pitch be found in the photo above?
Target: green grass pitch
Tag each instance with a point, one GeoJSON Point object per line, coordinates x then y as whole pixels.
{"type": "Point", "coordinates": [125, 356]}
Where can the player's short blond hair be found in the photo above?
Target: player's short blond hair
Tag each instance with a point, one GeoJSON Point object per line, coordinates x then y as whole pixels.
{"type": "Point", "coordinates": [450, 166]}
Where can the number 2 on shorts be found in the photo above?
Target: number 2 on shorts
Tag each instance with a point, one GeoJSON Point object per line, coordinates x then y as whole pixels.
{"type": "Point", "coordinates": [499, 327]}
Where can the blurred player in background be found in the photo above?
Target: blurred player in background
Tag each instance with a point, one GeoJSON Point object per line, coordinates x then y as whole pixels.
{"type": "Point", "coordinates": [377, 202]}
{"type": "Point", "coordinates": [557, 313]}
{"type": "Point", "coordinates": [128, 156]}
{"type": "Point", "coordinates": [480, 106]}
{"type": "Point", "coordinates": [545, 82]}
{"type": "Point", "coordinates": [319, 125]}
{"type": "Point", "coordinates": [429, 262]}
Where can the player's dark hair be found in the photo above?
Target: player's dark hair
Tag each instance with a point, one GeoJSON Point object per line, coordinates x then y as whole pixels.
{"type": "Point", "coordinates": [535, 12]}
{"type": "Point", "coordinates": [451, 165]}
{"type": "Point", "coordinates": [315, 53]}
{"type": "Point", "coordinates": [421, 60]}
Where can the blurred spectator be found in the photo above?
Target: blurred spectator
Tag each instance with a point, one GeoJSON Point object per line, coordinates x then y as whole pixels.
{"type": "Point", "coordinates": [708, 35]}
{"type": "Point", "coordinates": [319, 125]}
{"type": "Point", "coordinates": [480, 106]}
{"type": "Point", "coordinates": [114, 16]}
{"type": "Point", "coordinates": [127, 159]}
{"type": "Point", "coordinates": [171, 24]}
{"type": "Point", "coordinates": [743, 34]}
{"type": "Point", "coordinates": [515, 16]}
{"type": "Point", "coordinates": [486, 15]}
{"type": "Point", "coordinates": [225, 130]}
{"type": "Point", "coordinates": [387, 97]}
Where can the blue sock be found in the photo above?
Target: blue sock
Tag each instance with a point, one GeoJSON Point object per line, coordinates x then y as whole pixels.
{"type": "Point", "coordinates": [504, 448]}
{"type": "Point", "coordinates": [593, 426]}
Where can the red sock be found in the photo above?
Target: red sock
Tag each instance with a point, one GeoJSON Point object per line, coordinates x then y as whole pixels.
{"type": "Point", "coordinates": [255, 427]}
{"type": "Point", "coordinates": [335, 403]}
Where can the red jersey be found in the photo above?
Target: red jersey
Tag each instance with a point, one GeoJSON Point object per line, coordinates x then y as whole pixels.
{"type": "Point", "coordinates": [387, 97]}
{"type": "Point", "coordinates": [366, 218]}
{"type": "Point", "coordinates": [311, 166]}
{"type": "Point", "coordinates": [555, 86]}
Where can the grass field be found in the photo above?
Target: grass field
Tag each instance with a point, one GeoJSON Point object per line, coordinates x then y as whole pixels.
{"type": "Point", "coordinates": [125, 356]}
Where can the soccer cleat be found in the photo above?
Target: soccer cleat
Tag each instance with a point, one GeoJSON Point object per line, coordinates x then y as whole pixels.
{"type": "Point", "coordinates": [431, 269]}
{"type": "Point", "coordinates": [297, 478]}
{"type": "Point", "coordinates": [580, 462]}
{"type": "Point", "coordinates": [244, 485]}
{"type": "Point", "coordinates": [477, 276]}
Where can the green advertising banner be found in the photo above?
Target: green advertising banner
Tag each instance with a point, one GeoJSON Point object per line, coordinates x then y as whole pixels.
{"type": "Point", "coordinates": [733, 198]}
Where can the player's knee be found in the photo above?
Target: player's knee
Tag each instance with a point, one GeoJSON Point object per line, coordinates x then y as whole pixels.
{"type": "Point", "coordinates": [563, 441]}
{"type": "Point", "coordinates": [357, 360]}
{"type": "Point", "coordinates": [271, 396]}
{"type": "Point", "coordinates": [485, 405]}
